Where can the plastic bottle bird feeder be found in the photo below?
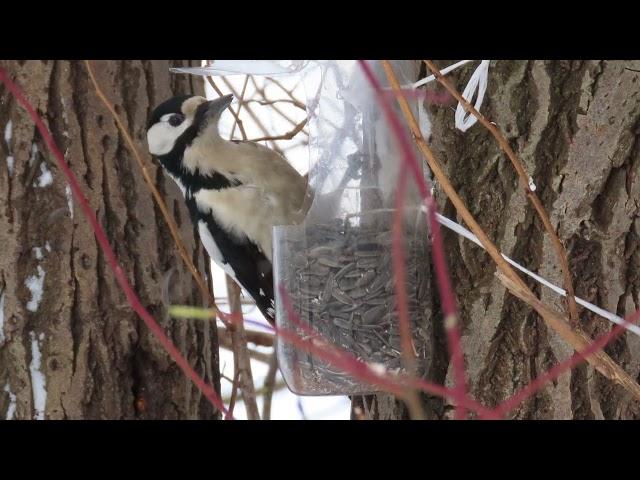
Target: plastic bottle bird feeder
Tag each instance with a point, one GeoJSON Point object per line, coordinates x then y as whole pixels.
{"type": "Point", "coordinates": [335, 269]}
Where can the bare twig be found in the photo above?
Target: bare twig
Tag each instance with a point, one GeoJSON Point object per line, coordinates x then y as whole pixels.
{"type": "Point", "coordinates": [242, 360]}
{"type": "Point", "coordinates": [253, 116]}
{"type": "Point", "coordinates": [271, 102]}
{"type": "Point", "coordinates": [237, 115]}
{"type": "Point", "coordinates": [409, 357]}
{"type": "Point", "coordinates": [275, 107]}
{"type": "Point", "coordinates": [295, 101]}
{"type": "Point", "coordinates": [281, 385]}
{"type": "Point", "coordinates": [524, 182]}
{"type": "Point", "coordinates": [256, 337]}
{"type": "Point", "coordinates": [235, 383]}
{"type": "Point", "coordinates": [253, 354]}
{"type": "Point", "coordinates": [224, 341]}
{"type": "Point", "coordinates": [269, 384]}
{"type": "Point", "coordinates": [286, 136]}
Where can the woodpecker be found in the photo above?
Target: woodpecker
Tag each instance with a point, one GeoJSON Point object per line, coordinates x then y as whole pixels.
{"type": "Point", "coordinates": [236, 191]}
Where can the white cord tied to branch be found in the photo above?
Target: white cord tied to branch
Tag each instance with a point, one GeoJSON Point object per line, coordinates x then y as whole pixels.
{"type": "Point", "coordinates": [431, 78]}
{"type": "Point", "coordinates": [477, 82]}
{"type": "Point", "coordinates": [612, 317]}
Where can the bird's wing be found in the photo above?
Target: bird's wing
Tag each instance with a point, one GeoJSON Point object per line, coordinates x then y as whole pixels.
{"type": "Point", "coordinates": [241, 259]}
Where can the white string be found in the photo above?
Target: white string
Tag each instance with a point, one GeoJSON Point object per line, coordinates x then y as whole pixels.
{"type": "Point", "coordinates": [431, 78]}
{"type": "Point", "coordinates": [459, 229]}
{"type": "Point", "coordinates": [478, 81]}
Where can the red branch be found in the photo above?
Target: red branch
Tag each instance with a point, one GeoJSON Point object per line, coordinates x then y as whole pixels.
{"type": "Point", "coordinates": [109, 254]}
{"type": "Point", "coordinates": [577, 358]}
{"type": "Point", "coordinates": [399, 271]}
{"type": "Point", "coordinates": [349, 363]}
{"type": "Point", "coordinates": [447, 295]}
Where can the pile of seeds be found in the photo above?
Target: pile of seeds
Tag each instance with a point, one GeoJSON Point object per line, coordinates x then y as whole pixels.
{"type": "Point", "coordinates": [340, 280]}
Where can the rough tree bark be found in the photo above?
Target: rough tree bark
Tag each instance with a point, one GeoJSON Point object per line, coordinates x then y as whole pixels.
{"type": "Point", "coordinates": [575, 125]}
{"type": "Point", "coordinates": [79, 339]}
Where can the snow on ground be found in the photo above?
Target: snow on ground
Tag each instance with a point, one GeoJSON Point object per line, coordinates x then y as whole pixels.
{"type": "Point", "coordinates": [38, 381]}
{"type": "Point", "coordinates": [8, 134]}
{"type": "Point", "coordinates": [45, 179]}
{"type": "Point", "coordinates": [35, 284]}
{"type": "Point", "coordinates": [10, 162]}
{"type": "Point", "coordinates": [1, 318]}
{"type": "Point", "coordinates": [67, 192]}
{"type": "Point", "coordinates": [34, 152]}
{"type": "Point", "coordinates": [11, 410]}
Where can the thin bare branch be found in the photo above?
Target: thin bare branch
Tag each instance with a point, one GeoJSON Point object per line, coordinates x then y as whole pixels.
{"type": "Point", "coordinates": [269, 384]}
{"type": "Point", "coordinates": [273, 106]}
{"type": "Point", "coordinates": [242, 360]}
{"type": "Point", "coordinates": [224, 341]}
{"type": "Point", "coordinates": [262, 339]}
{"type": "Point", "coordinates": [235, 383]}
{"type": "Point", "coordinates": [286, 136]}
{"type": "Point", "coordinates": [237, 115]}
{"type": "Point", "coordinates": [281, 385]}
{"type": "Point", "coordinates": [270, 102]}
{"type": "Point", "coordinates": [252, 114]}
{"type": "Point", "coordinates": [295, 101]}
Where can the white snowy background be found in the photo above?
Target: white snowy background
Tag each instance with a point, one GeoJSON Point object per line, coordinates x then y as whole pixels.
{"type": "Point", "coordinates": [285, 405]}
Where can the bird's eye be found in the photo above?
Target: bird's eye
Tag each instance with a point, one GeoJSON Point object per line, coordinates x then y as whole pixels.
{"type": "Point", "coordinates": [175, 120]}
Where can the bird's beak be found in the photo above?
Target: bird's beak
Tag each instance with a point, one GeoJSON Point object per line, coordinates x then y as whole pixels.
{"type": "Point", "coordinates": [217, 106]}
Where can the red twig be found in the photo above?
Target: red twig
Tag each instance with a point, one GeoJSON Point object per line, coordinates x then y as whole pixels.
{"type": "Point", "coordinates": [553, 373]}
{"type": "Point", "coordinates": [444, 283]}
{"type": "Point", "coordinates": [401, 298]}
{"type": "Point", "coordinates": [349, 363]}
{"type": "Point", "coordinates": [109, 254]}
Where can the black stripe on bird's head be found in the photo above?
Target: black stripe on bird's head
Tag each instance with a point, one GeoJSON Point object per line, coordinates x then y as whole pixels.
{"type": "Point", "coordinates": [175, 123]}
{"type": "Point", "coordinates": [174, 126]}
{"type": "Point", "coordinates": [173, 105]}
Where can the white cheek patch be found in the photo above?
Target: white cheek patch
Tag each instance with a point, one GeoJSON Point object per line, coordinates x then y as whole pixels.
{"type": "Point", "coordinates": [162, 136]}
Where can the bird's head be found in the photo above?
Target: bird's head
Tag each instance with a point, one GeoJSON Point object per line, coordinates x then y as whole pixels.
{"type": "Point", "coordinates": [177, 122]}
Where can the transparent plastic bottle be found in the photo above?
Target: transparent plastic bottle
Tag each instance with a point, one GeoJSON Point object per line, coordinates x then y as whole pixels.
{"type": "Point", "coordinates": [336, 268]}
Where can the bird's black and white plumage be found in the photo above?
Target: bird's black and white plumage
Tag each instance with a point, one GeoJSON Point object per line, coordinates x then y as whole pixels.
{"type": "Point", "coordinates": [236, 191]}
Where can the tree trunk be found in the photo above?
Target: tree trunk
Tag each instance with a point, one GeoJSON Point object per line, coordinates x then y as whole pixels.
{"type": "Point", "coordinates": [575, 125]}
{"type": "Point", "coordinates": [70, 346]}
